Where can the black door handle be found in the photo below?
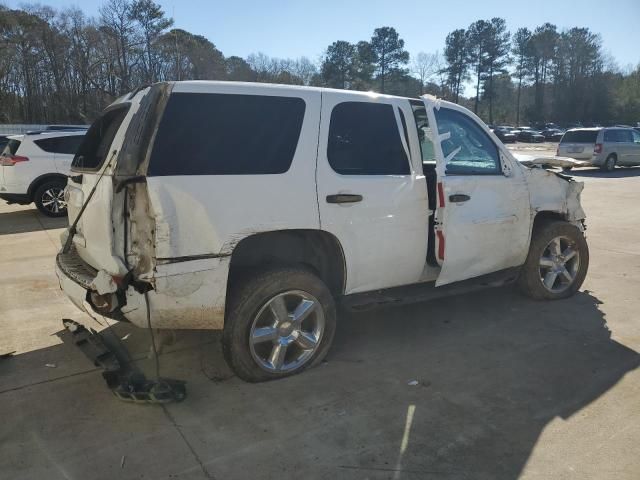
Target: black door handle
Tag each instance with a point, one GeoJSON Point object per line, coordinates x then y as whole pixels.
{"type": "Point", "coordinates": [344, 198]}
{"type": "Point", "coordinates": [459, 197]}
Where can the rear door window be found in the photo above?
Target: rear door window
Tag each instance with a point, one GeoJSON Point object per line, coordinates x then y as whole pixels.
{"type": "Point", "coordinates": [364, 139]}
{"type": "Point", "coordinates": [225, 134]}
{"type": "Point", "coordinates": [626, 136]}
{"type": "Point", "coordinates": [62, 145]}
{"type": "Point", "coordinates": [95, 145]}
{"type": "Point", "coordinates": [580, 136]}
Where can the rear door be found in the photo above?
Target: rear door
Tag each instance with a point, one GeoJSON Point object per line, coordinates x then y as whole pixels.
{"type": "Point", "coordinates": [372, 196]}
{"type": "Point", "coordinates": [100, 226]}
{"type": "Point", "coordinates": [483, 217]}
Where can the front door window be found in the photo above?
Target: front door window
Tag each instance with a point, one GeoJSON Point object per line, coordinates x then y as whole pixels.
{"type": "Point", "coordinates": [468, 150]}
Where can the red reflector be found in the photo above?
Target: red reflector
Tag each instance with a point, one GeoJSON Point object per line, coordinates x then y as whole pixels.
{"type": "Point", "coordinates": [11, 160]}
{"type": "Point", "coordinates": [597, 148]}
{"type": "Point", "coordinates": [440, 194]}
{"type": "Point", "coordinates": [440, 244]}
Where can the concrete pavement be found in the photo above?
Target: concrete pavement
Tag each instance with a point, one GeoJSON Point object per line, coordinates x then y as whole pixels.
{"type": "Point", "coordinates": [507, 388]}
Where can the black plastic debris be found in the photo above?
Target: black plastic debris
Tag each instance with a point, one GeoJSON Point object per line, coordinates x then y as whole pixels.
{"type": "Point", "coordinates": [126, 382]}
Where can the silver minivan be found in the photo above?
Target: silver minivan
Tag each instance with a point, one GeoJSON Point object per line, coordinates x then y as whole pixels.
{"type": "Point", "coordinates": [602, 147]}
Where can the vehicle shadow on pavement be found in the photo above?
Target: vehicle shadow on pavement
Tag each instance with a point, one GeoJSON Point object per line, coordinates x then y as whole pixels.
{"type": "Point", "coordinates": [596, 172]}
{"type": "Point", "coordinates": [460, 387]}
{"type": "Point", "coordinates": [23, 221]}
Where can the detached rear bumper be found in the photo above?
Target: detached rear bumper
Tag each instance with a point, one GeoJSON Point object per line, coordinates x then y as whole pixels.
{"type": "Point", "coordinates": [77, 280]}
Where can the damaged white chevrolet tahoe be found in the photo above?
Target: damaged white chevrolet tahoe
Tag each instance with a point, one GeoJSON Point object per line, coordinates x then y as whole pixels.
{"type": "Point", "coordinates": [254, 208]}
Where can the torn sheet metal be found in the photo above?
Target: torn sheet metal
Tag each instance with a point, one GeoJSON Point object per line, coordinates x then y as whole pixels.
{"type": "Point", "coordinates": [103, 283]}
{"type": "Point", "coordinates": [549, 161]}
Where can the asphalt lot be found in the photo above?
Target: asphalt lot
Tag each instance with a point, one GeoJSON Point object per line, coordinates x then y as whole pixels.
{"type": "Point", "coordinates": [507, 387]}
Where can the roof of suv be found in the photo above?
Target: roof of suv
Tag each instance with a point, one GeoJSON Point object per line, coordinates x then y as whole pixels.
{"type": "Point", "coordinates": [184, 85]}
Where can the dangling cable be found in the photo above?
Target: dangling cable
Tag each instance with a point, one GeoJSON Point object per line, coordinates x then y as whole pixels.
{"type": "Point", "coordinates": [153, 338]}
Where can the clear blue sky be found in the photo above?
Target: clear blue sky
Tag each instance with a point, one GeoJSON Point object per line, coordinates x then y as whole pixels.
{"type": "Point", "coordinates": [288, 28]}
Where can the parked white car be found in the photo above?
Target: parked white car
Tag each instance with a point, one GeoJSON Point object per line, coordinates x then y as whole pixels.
{"type": "Point", "coordinates": [254, 208]}
{"type": "Point", "coordinates": [34, 168]}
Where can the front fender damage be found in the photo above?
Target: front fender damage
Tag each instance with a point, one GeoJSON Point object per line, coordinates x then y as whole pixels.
{"type": "Point", "coordinates": [553, 192]}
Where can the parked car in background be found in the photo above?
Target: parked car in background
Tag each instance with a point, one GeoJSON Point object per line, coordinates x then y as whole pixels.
{"type": "Point", "coordinates": [546, 126]}
{"type": "Point", "coordinates": [505, 134]}
{"type": "Point", "coordinates": [329, 187]}
{"type": "Point", "coordinates": [34, 168]}
{"type": "Point", "coordinates": [603, 147]}
{"type": "Point", "coordinates": [552, 134]}
{"type": "Point", "coordinates": [531, 136]}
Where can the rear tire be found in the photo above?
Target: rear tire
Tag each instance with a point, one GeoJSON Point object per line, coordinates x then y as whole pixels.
{"type": "Point", "coordinates": [557, 262]}
{"type": "Point", "coordinates": [609, 164]}
{"type": "Point", "coordinates": [278, 323]}
{"type": "Point", "coordinates": [49, 198]}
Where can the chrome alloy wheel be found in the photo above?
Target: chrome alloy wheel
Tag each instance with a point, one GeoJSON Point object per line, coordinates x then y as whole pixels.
{"type": "Point", "coordinates": [53, 200]}
{"type": "Point", "coordinates": [287, 331]}
{"type": "Point", "coordinates": [559, 264]}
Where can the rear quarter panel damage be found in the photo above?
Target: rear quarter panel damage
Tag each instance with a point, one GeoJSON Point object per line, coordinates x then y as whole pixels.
{"type": "Point", "coordinates": [187, 294]}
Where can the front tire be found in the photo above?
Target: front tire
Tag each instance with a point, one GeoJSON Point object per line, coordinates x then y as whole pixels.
{"type": "Point", "coordinates": [278, 323]}
{"type": "Point", "coordinates": [49, 198]}
{"type": "Point", "coordinates": [557, 262]}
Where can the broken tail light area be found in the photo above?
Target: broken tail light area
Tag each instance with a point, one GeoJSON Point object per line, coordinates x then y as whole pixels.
{"type": "Point", "coordinates": [11, 160]}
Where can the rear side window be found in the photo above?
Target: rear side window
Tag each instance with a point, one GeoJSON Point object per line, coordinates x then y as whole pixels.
{"type": "Point", "coordinates": [223, 134]}
{"type": "Point", "coordinates": [364, 140]}
{"type": "Point", "coordinates": [11, 147]}
{"type": "Point", "coordinates": [618, 136]}
{"type": "Point", "coordinates": [580, 136]}
{"type": "Point", "coordinates": [63, 145]}
{"type": "Point", "coordinates": [95, 145]}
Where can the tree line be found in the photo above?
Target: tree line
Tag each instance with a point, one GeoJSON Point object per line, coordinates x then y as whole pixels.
{"type": "Point", "coordinates": [59, 66]}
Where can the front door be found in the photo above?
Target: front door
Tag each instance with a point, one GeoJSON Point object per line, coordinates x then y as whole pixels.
{"type": "Point", "coordinates": [483, 215]}
{"type": "Point", "coordinates": [371, 192]}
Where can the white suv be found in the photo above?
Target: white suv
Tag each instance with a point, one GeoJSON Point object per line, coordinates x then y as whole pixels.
{"type": "Point", "coordinates": [254, 208]}
{"type": "Point", "coordinates": [34, 168]}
